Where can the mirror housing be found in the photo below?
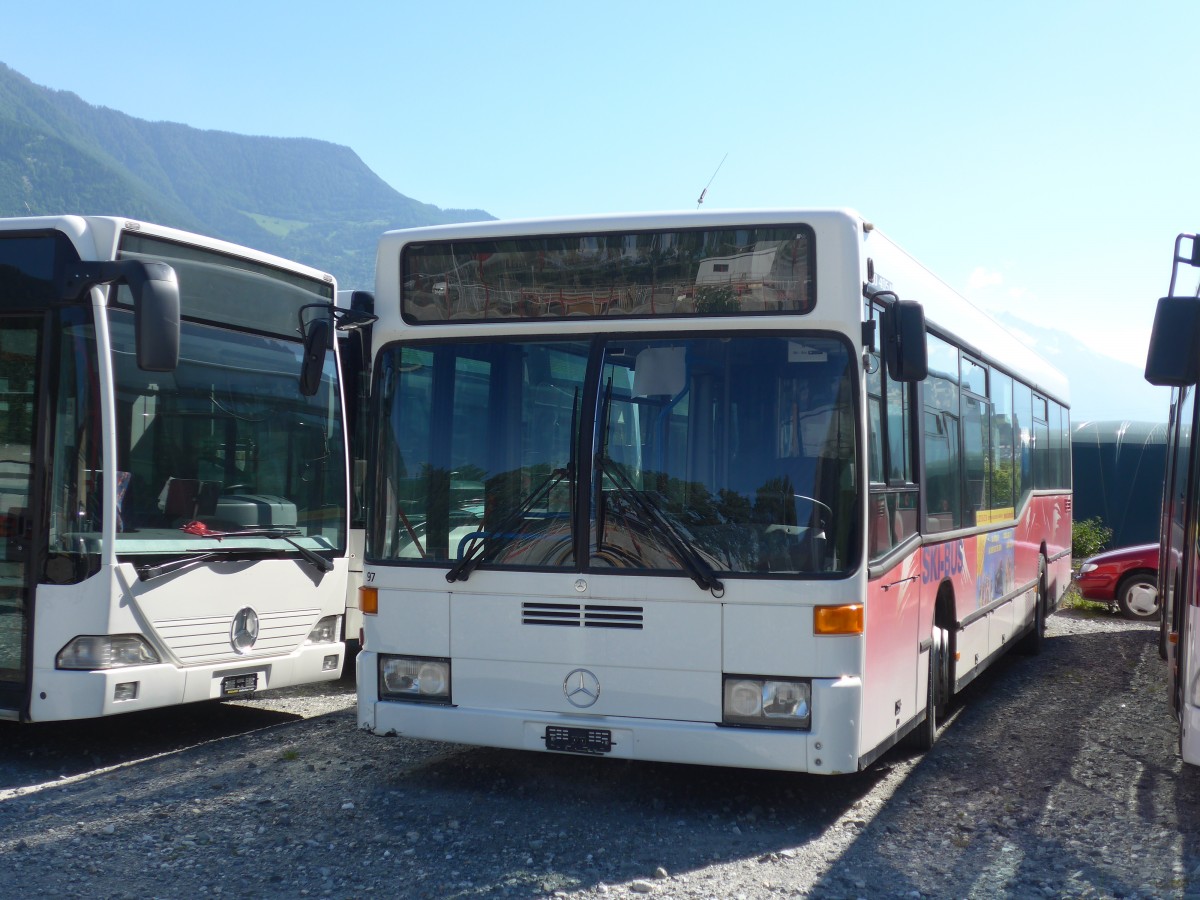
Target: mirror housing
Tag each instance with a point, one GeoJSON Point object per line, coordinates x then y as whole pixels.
{"type": "Point", "coordinates": [903, 340]}
{"type": "Point", "coordinates": [1173, 359]}
{"type": "Point", "coordinates": [155, 290]}
{"type": "Point", "coordinates": [316, 344]}
{"type": "Point", "coordinates": [363, 302]}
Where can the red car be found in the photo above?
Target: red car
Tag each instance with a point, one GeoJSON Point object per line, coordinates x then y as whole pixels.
{"type": "Point", "coordinates": [1127, 577]}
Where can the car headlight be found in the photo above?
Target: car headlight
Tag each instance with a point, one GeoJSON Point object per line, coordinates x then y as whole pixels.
{"type": "Point", "coordinates": [324, 632]}
{"type": "Point", "coordinates": [105, 651]}
{"type": "Point", "coordinates": [1088, 567]}
{"type": "Point", "coordinates": [767, 702]}
{"type": "Point", "coordinates": [423, 679]}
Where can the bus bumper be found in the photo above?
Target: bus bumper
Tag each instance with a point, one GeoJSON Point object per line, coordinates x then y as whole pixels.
{"type": "Point", "coordinates": [829, 748]}
{"type": "Point", "coordinates": [63, 694]}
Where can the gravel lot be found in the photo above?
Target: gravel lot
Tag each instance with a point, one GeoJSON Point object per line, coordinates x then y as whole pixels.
{"type": "Point", "coordinates": [1057, 775]}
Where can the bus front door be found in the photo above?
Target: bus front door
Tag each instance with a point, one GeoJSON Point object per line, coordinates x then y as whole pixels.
{"type": "Point", "coordinates": [19, 337]}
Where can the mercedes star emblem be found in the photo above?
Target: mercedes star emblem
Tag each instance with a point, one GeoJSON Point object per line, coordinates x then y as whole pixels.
{"type": "Point", "coordinates": [582, 688]}
{"type": "Point", "coordinates": [244, 631]}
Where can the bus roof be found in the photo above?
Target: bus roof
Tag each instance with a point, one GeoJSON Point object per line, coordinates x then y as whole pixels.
{"type": "Point", "coordinates": [947, 311]}
{"type": "Point", "coordinates": [97, 238]}
{"type": "Point", "coordinates": [643, 221]}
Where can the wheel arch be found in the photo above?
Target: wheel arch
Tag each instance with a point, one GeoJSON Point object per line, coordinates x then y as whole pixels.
{"type": "Point", "coordinates": [1133, 573]}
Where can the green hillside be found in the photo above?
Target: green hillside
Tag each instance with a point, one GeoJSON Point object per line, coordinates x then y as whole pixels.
{"type": "Point", "coordinates": [304, 199]}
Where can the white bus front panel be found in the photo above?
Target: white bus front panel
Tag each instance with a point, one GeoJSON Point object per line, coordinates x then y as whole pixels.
{"type": "Point", "coordinates": [188, 620]}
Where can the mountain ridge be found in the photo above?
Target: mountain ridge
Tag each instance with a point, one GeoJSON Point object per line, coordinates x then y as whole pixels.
{"type": "Point", "coordinates": [300, 198]}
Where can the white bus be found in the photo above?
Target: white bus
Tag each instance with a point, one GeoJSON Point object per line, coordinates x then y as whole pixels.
{"type": "Point", "coordinates": [174, 484]}
{"type": "Point", "coordinates": [1173, 360]}
{"type": "Point", "coordinates": [354, 357]}
{"type": "Point", "coordinates": [621, 507]}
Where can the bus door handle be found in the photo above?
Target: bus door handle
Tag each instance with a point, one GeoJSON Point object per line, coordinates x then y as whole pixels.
{"type": "Point", "coordinates": [892, 584]}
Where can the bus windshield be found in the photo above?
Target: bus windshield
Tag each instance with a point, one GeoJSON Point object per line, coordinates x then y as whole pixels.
{"type": "Point", "coordinates": [683, 455]}
{"type": "Point", "coordinates": [225, 444]}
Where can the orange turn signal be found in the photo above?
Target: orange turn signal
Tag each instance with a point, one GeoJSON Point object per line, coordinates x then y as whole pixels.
{"type": "Point", "coordinates": [846, 619]}
{"type": "Point", "coordinates": [368, 600]}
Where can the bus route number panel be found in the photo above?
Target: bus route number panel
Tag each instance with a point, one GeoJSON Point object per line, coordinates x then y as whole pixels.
{"type": "Point", "coordinates": [596, 741]}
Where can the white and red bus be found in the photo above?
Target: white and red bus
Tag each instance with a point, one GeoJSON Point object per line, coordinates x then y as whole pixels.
{"type": "Point", "coordinates": [173, 485]}
{"type": "Point", "coordinates": [697, 487]}
{"type": "Point", "coordinates": [1173, 360]}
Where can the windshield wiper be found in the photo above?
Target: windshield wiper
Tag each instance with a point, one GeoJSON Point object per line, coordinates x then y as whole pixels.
{"type": "Point", "coordinates": [285, 534]}
{"type": "Point", "coordinates": [146, 573]}
{"type": "Point", "coordinates": [504, 530]}
{"type": "Point", "coordinates": [689, 557]}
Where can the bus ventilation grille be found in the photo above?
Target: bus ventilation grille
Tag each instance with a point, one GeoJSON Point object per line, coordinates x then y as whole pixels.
{"type": "Point", "coordinates": [574, 615]}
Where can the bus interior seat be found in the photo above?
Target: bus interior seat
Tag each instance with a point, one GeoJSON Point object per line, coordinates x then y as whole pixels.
{"type": "Point", "coordinates": [191, 497]}
{"type": "Point", "coordinates": [181, 499]}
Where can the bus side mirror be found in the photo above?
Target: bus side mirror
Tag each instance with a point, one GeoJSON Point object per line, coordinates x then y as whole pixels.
{"type": "Point", "coordinates": [316, 345]}
{"type": "Point", "coordinates": [903, 341]}
{"type": "Point", "coordinates": [155, 290]}
{"type": "Point", "coordinates": [1173, 359]}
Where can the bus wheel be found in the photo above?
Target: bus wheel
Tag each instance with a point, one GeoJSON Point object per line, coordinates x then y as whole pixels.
{"type": "Point", "coordinates": [923, 736]}
{"type": "Point", "coordinates": [1032, 643]}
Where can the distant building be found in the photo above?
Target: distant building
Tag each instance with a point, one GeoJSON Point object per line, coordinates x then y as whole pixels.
{"type": "Point", "coordinates": [1119, 469]}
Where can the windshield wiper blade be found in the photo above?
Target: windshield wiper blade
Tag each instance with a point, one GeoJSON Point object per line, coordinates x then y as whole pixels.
{"type": "Point", "coordinates": [503, 532]}
{"type": "Point", "coordinates": [278, 533]}
{"type": "Point", "coordinates": [320, 563]}
{"type": "Point", "coordinates": [691, 560]}
{"type": "Point", "coordinates": [693, 563]}
{"type": "Point", "coordinates": [148, 573]}
{"type": "Point", "coordinates": [286, 534]}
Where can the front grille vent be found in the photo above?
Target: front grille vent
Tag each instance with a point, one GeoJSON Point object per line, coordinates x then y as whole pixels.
{"type": "Point", "coordinates": [575, 615]}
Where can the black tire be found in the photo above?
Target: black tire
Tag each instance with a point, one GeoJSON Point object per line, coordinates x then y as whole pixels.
{"type": "Point", "coordinates": [1032, 643]}
{"type": "Point", "coordinates": [922, 737]}
{"type": "Point", "coordinates": [1164, 631]}
{"type": "Point", "coordinates": [1167, 624]}
{"type": "Point", "coordinates": [1135, 600]}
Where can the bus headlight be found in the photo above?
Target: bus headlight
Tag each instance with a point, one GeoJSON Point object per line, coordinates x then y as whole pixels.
{"type": "Point", "coordinates": [324, 632]}
{"type": "Point", "coordinates": [767, 702]}
{"type": "Point", "coordinates": [105, 651]}
{"type": "Point", "coordinates": [414, 678]}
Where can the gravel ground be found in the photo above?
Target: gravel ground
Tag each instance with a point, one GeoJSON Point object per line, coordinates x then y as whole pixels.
{"type": "Point", "coordinates": [1056, 775]}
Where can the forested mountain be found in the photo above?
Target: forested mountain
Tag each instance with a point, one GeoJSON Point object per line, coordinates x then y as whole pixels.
{"type": "Point", "coordinates": [303, 199]}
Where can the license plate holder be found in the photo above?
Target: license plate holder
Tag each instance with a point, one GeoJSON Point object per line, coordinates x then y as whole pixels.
{"type": "Point", "coordinates": [239, 685]}
{"type": "Point", "coordinates": [593, 741]}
